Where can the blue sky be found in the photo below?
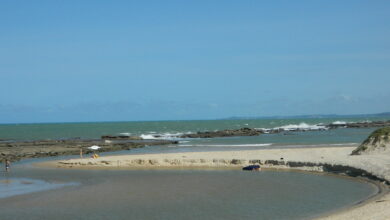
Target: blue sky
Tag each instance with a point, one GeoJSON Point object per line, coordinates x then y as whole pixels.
{"type": "Point", "coordinates": [63, 61]}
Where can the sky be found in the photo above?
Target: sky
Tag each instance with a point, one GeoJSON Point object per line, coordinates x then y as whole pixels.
{"type": "Point", "coordinates": [73, 61]}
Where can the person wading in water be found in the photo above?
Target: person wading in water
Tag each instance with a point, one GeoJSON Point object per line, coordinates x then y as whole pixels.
{"type": "Point", "coordinates": [7, 165]}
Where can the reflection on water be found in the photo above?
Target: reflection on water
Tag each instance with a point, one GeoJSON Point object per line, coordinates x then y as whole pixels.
{"type": "Point", "coordinates": [182, 194]}
{"type": "Point", "coordinates": [18, 186]}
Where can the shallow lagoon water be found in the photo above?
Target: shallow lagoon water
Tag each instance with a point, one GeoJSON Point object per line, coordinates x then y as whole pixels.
{"type": "Point", "coordinates": [182, 194]}
{"type": "Point", "coordinates": [19, 186]}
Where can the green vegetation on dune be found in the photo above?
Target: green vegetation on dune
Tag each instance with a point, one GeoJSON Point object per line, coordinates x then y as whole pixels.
{"type": "Point", "coordinates": [378, 135]}
{"type": "Point", "coordinates": [382, 134]}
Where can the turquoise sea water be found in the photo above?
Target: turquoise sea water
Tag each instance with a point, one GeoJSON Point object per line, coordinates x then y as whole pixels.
{"type": "Point", "coordinates": [170, 129]}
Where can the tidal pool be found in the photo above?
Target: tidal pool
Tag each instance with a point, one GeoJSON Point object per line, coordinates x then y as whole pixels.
{"type": "Point", "coordinates": [182, 194]}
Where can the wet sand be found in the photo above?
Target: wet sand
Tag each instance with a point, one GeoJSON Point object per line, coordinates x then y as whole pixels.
{"type": "Point", "coordinates": [309, 159]}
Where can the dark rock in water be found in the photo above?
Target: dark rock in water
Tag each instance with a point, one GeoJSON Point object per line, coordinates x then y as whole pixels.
{"type": "Point", "coordinates": [224, 133]}
{"type": "Point", "coordinates": [368, 124]}
{"type": "Point", "coordinates": [285, 131]}
{"type": "Point", "coordinates": [120, 137]}
{"type": "Point", "coordinates": [377, 142]}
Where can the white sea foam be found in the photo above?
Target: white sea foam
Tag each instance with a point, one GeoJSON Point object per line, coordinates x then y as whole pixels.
{"type": "Point", "coordinates": [125, 134]}
{"type": "Point", "coordinates": [302, 127]}
{"type": "Point", "coordinates": [147, 136]}
{"type": "Point", "coordinates": [339, 123]}
{"type": "Point", "coordinates": [265, 130]}
{"type": "Point", "coordinates": [290, 127]}
{"type": "Point", "coordinates": [164, 136]}
{"type": "Point", "coordinates": [295, 127]}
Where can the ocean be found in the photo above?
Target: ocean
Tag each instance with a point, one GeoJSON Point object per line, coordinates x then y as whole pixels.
{"type": "Point", "coordinates": [172, 129]}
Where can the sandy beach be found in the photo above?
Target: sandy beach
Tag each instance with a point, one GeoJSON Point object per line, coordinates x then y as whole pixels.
{"type": "Point", "coordinates": [333, 159]}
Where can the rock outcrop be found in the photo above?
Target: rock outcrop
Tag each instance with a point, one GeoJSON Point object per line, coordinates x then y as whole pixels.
{"type": "Point", "coordinates": [377, 142]}
{"type": "Point", "coordinates": [120, 137]}
{"type": "Point", "coordinates": [367, 124]}
{"type": "Point", "coordinates": [254, 131]}
{"type": "Point", "coordinates": [224, 133]}
{"type": "Point", "coordinates": [16, 150]}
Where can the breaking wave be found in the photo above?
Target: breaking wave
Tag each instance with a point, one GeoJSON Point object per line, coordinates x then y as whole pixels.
{"type": "Point", "coordinates": [164, 136]}
{"type": "Point", "coordinates": [296, 127]}
{"type": "Point", "coordinates": [302, 126]}
{"type": "Point", "coordinates": [339, 123]}
{"type": "Point", "coordinates": [289, 127]}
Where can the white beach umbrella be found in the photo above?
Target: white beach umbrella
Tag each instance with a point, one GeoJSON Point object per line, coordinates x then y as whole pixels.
{"type": "Point", "coordinates": [94, 147]}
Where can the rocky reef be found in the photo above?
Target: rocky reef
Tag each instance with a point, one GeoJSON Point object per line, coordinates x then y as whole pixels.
{"type": "Point", "coordinates": [224, 133]}
{"type": "Point", "coordinates": [254, 131]}
{"type": "Point", "coordinates": [121, 137]}
{"type": "Point", "coordinates": [291, 128]}
{"type": "Point", "coordinates": [16, 150]}
{"type": "Point", "coordinates": [368, 124]}
{"type": "Point", "coordinates": [377, 142]}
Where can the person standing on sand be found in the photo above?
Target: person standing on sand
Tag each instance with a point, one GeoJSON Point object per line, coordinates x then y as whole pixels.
{"type": "Point", "coordinates": [81, 152]}
{"type": "Point", "coordinates": [7, 165]}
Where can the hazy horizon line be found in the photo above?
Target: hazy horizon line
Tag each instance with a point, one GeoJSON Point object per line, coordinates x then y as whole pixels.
{"type": "Point", "coordinates": [305, 116]}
